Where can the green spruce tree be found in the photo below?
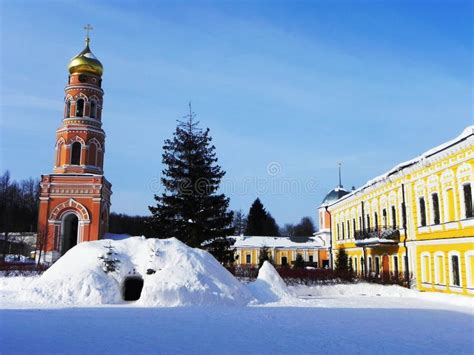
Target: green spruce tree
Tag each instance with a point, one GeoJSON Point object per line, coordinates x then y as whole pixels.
{"type": "Point", "coordinates": [190, 208]}
{"type": "Point", "coordinates": [342, 261]}
{"type": "Point", "coordinates": [260, 222]}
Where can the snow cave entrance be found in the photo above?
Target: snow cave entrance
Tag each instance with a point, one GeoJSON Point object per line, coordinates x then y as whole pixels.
{"type": "Point", "coordinates": [132, 288]}
{"type": "Point", "coordinates": [70, 228]}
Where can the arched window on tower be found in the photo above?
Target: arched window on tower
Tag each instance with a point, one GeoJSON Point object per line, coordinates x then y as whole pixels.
{"type": "Point", "coordinates": [92, 154]}
{"type": "Point", "coordinates": [68, 108]}
{"type": "Point", "coordinates": [100, 158]}
{"type": "Point", "coordinates": [59, 149]}
{"type": "Point", "coordinates": [76, 153]}
{"type": "Point", "coordinates": [93, 109]}
{"type": "Point", "coordinates": [80, 108]}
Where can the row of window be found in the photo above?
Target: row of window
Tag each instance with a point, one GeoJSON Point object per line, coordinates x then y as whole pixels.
{"type": "Point", "coordinates": [437, 263]}
{"type": "Point", "coordinates": [374, 264]}
{"type": "Point", "coordinates": [80, 108]}
{"type": "Point", "coordinates": [346, 229]}
{"type": "Point", "coordinates": [284, 260]}
{"type": "Point", "coordinates": [449, 205]}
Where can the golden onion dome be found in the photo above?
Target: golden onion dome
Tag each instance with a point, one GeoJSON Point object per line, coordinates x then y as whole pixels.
{"type": "Point", "coordinates": [86, 62]}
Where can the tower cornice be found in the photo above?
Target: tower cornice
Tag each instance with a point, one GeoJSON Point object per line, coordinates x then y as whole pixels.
{"type": "Point", "coordinates": [81, 122]}
{"type": "Point", "coordinates": [84, 87]}
{"type": "Point", "coordinates": [80, 130]}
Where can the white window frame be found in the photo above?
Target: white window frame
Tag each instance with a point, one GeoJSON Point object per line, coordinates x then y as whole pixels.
{"type": "Point", "coordinates": [438, 268]}
{"type": "Point", "coordinates": [447, 206]}
{"type": "Point", "coordinates": [432, 208]}
{"type": "Point", "coordinates": [425, 279]}
{"type": "Point", "coordinates": [419, 211]}
{"type": "Point", "coordinates": [469, 268]}
{"type": "Point", "coordinates": [395, 263]}
{"type": "Point", "coordinates": [458, 254]}
{"type": "Point", "coordinates": [463, 200]}
{"type": "Point", "coordinates": [377, 258]}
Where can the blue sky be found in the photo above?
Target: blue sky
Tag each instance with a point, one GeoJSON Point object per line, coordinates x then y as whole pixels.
{"type": "Point", "coordinates": [290, 87]}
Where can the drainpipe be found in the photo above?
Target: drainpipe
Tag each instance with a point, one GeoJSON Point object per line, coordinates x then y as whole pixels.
{"type": "Point", "coordinates": [330, 237]}
{"type": "Point", "coordinates": [363, 248]}
{"type": "Point", "coordinates": [404, 216]}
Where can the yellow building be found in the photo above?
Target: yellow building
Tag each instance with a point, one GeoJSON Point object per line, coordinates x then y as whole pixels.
{"type": "Point", "coordinates": [283, 250]}
{"type": "Point", "coordinates": [422, 208]}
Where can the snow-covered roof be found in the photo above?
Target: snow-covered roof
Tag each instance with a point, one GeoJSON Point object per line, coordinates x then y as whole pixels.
{"type": "Point", "coordinates": [376, 240]}
{"type": "Point", "coordinates": [115, 236]}
{"type": "Point", "coordinates": [278, 242]}
{"type": "Point", "coordinates": [468, 131]}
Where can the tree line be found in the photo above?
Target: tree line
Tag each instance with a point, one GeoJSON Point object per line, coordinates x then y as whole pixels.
{"type": "Point", "coordinates": [259, 222]}
{"type": "Point", "coordinates": [19, 201]}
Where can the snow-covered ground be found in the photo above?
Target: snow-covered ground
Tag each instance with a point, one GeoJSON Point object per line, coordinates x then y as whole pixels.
{"type": "Point", "coordinates": [216, 313]}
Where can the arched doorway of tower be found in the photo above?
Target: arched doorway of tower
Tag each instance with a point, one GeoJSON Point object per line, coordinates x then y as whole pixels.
{"type": "Point", "coordinates": [69, 231]}
{"type": "Point", "coordinates": [71, 220]}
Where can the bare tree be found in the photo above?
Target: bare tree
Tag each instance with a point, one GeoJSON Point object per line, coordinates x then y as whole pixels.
{"type": "Point", "coordinates": [239, 223]}
{"type": "Point", "coordinates": [18, 207]}
{"type": "Point", "coordinates": [305, 228]}
{"type": "Point", "coordinates": [41, 240]}
{"type": "Point", "coordinates": [288, 230]}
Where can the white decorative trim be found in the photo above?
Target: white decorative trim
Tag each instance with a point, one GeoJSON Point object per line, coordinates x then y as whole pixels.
{"type": "Point", "coordinates": [457, 289]}
{"type": "Point", "coordinates": [71, 205]}
{"type": "Point", "coordinates": [451, 225]}
{"type": "Point", "coordinates": [448, 241]}
{"type": "Point", "coordinates": [467, 222]}
{"type": "Point", "coordinates": [84, 87]}
{"type": "Point", "coordinates": [424, 229]}
{"type": "Point", "coordinates": [436, 228]}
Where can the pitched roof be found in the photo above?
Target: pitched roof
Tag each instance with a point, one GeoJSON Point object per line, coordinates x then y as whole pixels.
{"type": "Point", "coordinates": [278, 242]}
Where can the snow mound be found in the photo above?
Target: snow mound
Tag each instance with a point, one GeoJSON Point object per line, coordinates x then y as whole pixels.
{"type": "Point", "coordinates": [269, 286]}
{"type": "Point", "coordinates": [173, 274]}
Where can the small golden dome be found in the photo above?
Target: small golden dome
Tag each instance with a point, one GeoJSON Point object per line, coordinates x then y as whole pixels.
{"type": "Point", "coordinates": [86, 62]}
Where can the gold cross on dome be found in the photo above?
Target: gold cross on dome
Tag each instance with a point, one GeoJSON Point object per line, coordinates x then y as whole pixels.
{"type": "Point", "coordinates": [88, 28]}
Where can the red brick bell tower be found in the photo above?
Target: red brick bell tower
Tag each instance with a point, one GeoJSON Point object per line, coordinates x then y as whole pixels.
{"type": "Point", "coordinates": [75, 199]}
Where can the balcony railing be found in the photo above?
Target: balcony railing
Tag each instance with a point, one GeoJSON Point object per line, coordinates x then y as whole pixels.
{"type": "Point", "coordinates": [380, 232]}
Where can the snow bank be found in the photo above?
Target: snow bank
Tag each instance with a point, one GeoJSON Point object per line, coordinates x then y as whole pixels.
{"type": "Point", "coordinates": [173, 275]}
{"type": "Point", "coordinates": [351, 290]}
{"type": "Point", "coordinates": [15, 283]}
{"type": "Point", "coordinates": [374, 291]}
{"type": "Point", "coordinates": [269, 286]}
